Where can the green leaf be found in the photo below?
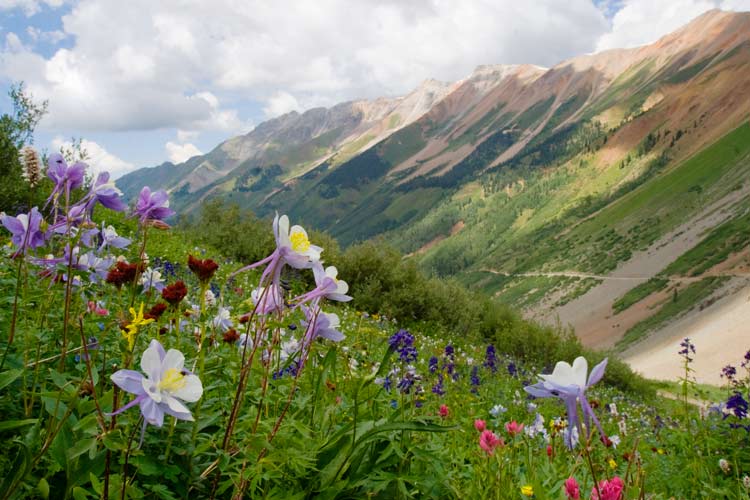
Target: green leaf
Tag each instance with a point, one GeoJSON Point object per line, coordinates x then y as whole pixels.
{"type": "Point", "coordinates": [80, 494]}
{"type": "Point", "coordinates": [7, 378]}
{"type": "Point", "coordinates": [17, 471]}
{"type": "Point", "coordinates": [80, 448]}
{"type": "Point", "coordinates": [43, 488]}
{"type": "Point", "coordinates": [96, 484]}
{"type": "Point", "coordinates": [15, 424]}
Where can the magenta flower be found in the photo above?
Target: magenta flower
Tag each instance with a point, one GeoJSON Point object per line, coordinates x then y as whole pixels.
{"type": "Point", "coordinates": [488, 441]}
{"type": "Point", "coordinates": [66, 178]}
{"type": "Point", "coordinates": [166, 385]}
{"type": "Point", "coordinates": [153, 206]}
{"type": "Point", "coordinates": [480, 424]}
{"type": "Point", "coordinates": [513, 428]}
{"type": "Point", "coordinates": [569, 384]}
{"type": "Point", "coordinates": [25, 229]}
{"type": "Point", "coordinates": [572, 490]}
{"type": "Point", "coordinates": [609, 489]}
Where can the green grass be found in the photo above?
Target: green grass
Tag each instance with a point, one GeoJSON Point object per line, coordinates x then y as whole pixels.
{"type": "Point", "coordinates": [685, 300]}
{"type": "Point", "coordinates": [728, 238]}
{"type": "Point", "coordinates": [638, 293]}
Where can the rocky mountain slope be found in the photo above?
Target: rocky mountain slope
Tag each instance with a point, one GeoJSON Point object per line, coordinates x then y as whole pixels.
{"type": "Point", "coordinates": [542, 186]}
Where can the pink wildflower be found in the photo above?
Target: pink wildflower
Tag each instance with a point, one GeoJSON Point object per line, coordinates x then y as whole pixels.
{"type": "Point", "coordinates": [514, 428]}
{"type": "Point", "coordinates": [610, 490]}
{"type": "Point", "coordinates": [480, 424]}
{"type": "Point", "coordinates": [444, 411]}
{"type": "Point", "coordinates": [488, 441]}
{"type": "Point", "coordinates": [572, 490]}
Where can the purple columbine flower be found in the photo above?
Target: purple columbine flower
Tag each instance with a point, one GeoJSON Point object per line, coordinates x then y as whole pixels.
{"type": "Point", "coordinates": [320, 324]}
{"type": "Point", "coordinates": [110, 238]}
{"type": "Point", "coordinates": [26, 230]}
{"type": "Point", "coordinates": [569, 384]}
{"type": "Point", "coordinates": [66, 178]}
{"type": "Point", "coordinates": [98, 267]}
{"type": "Point", "coordinates": [103, 191]}
{"type": "Point", "coordinates": [164, 388]}
{"type": "Point", "coordinates": [152, 206]}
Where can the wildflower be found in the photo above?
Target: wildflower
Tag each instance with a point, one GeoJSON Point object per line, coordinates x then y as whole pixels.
{"type": "Point", "coordinates": [209, 298]}
{"type": "Point", "coordinates": [488, 441]}
{"type": "Point", "coordinates": [65, 178]}
{"type": "Point", "coordinates": [480, 424]}
{"type": "Point", "coordinates": [729, 372]}
{"type": "Point", "coordinates": [687, 348]}
{"type": "Point", "coordinates": [156, 311]}
{"type": "Point", "coordinates": [490, 358]}
{"type": "Point", "coordinates": [403, 342]}
{"type": "Point", "coordinates": [612, 464]}
{"type": "Point", "coordinates": [613, 410]}
{"type": "Point", "coordinates": [231, 336]}
{"type": "Point", "coordinates": [572, 490]}
{"type": "Point", "coordinates": [443, 411]}
{"type": "Point", "coordinates": [98, 267]}
{"type": "Point", "coordinates": [320, 324]}
{"type": "Point", "coordinates": [497, 410]}
{"type": "Point", "coordinates": [737, 404]}
{"type": "Point", "coordinates": [174, 293]}
{"type": "Point", "coordinates": [527, 490]}
{"type": "Point", "coordinates": [746, 482]}
{"type": "Point", "coordinates": [26, 230]}
{"type": "Point", "coordinates": [433, 364]}
{"type": "Point", "coordinates": [164, 388]}
{"type": "Point", "coordinates": [123, 273]}
{"type": "Point", "coordinates": [537, 427]}
{"type": "Point", "coordinates": [222, 320]}
{"type": "Point", "coordinates": [294, 244]}
{"type": "Point", "coordinates": [724, 465]}
{"type": "Point", "coordinates": [32, 171]}
{"type": "Point", "coordinates": [609, 489]}
{"type": "Point", "coordinates": [513, 428]}
{"type": "Point", "coordinates": [268, 299]}
{"type": "Point", "coordinates": [151, 279]}
{"type": "Point", "coordinates": [569, 384]}
{"type": "Point", "coordinates": [203, 269]}
{"type": "Point", "coordinates": [110, 238]}
{"type": "Point", "coordinates": [549, 451]}
{"type": "Point", "coordinates": [104, 192]}
{"type": "Point", "coordinates": [438, 387]}
{"type": "Point", "coordinates": [327, 285]}
{"type": "Point", "coordinates": [475, 379]}
{"type": "Point", "coordinates": [131, 329]}
{"type": "Point", "coordinates": [615, 440]}
{"type": "Point", "coordinates": [152, 206]}
{"type": "Point", "coordinates": [96, 308]}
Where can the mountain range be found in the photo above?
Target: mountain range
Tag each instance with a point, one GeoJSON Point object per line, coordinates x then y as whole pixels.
{"type": "Point", "coordinates": [609, 192]}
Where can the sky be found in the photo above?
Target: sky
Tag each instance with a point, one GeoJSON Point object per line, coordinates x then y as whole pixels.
{"type": "Point", "coordinates": [142, 82]}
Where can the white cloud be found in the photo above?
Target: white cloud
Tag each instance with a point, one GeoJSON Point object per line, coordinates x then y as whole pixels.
{"type": "Point", "coordinates": [179, 153]}
{"type": "Point", "coordinates": [97, 158]}
{"type": "Point", "coordinates": [146, 65]}
{"type": "Point", "coordinates": [29, 7]}
{"type": "Point", "coordinates": [280, 103]}
{"type": "Point", "coordinates": [640, 22]}
{"type": "Point", "coordinates": [187, 135]}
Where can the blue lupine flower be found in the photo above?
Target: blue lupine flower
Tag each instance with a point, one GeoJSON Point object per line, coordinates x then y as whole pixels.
{"type": "Point", "coordinates": [433, 364]}
{"type": "Point", "coordinates": [403, 343]}
{"type": "Point", "coordinates": [737, 405]}
{"type": "Point", "coordinates": [438, 388]}
{"type": "Point", "coordinates": [490, 358]}
{"type": "Point", "coordinates": [475, 379]}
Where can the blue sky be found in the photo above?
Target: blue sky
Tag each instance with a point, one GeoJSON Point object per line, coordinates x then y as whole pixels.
{"type": "Point", "coordinates": [143, 82]}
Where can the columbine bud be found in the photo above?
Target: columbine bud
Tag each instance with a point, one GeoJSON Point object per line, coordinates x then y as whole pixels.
{"type": "Point", "coordinates": [158, 224]}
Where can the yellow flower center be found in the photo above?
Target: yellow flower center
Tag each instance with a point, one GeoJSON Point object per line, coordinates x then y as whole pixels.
{"type": "Point", "coordinates": [173, 380]}
{"type": "Point", "coordinates": [299, 241]}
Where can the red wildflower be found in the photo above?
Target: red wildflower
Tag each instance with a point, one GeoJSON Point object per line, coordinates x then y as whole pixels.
{"type": "Point", "coordinates": [203, 269]}
{"type": "Point", "coordinates": [444, 411]}
{"type": "Point", "coordinates": [480, 424]}
{"type": "Point", "coordinates": [174, 293]}
{"type": "Point", "coordinates": [610, 490]}
{"type": "Point", "coordinates": [123, 273]}
{"type": "Point", "coordinates": [513, 428]}
{"type": "Point", "coordinates": [488, 441]}
{"type": "Point", "coordinates": [156, 311]}
{"type": "Point", "coordinates": [231, 336]}
{"type": "Point", "coordinates": [572, 490]}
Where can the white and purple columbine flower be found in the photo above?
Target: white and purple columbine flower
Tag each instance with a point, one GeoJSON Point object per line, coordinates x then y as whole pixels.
{"type": "Point", "coordinates": [110, 238]}
{"type": "Point", "coordinates": [26, 230]}
{"type": "Point", "coordinates": [98, 267]}
{"type": "Point", "coordinates": [294, 245]}
{"type": "Point", "coordinates": [327, 285]}
{"type": "Point", "coordinates": [320, 324]}
{"type": "Point", "coordinates": [152, 206]}
{"type": "Point", "coordinates": [164, 387]}
{"type": "Point", "coordinates": [222, 321]}
{"type": "Point", "coordinates": [66, 178]}
{"type": "Point", "coordinates": [151, 279]}
{"type": "Point", "coordinates": [569, 383]}
{"type": "Point", "coordinates": [268, 299]}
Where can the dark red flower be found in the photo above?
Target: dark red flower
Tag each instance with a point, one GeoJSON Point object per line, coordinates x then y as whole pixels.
{"type": "Point", "coordinates": [156, 311]}
{"type": "Point", "coordinates": [231, 336]}
{"type": "Point", "coordinates": [174, 293]}
{"type": "Point", "coordinates": [123, 273]}
{"type": "Point", "coordinates": [203, 269]}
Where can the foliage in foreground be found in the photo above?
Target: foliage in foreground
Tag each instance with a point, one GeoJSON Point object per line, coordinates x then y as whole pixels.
{"type": "Point", "coordinates": [132, 368]}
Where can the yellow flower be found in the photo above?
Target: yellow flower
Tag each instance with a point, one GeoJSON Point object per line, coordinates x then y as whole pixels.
{"type": "Point", "coordinates": [612, 464]}
{"type": "Point", "coordinates": [132, 327]}
{"type": "Point", "coordinates": [527, 491]}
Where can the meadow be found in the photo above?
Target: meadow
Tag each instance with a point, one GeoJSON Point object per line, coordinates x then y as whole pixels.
{"type": "Point", "coordinates": [229, 358]}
